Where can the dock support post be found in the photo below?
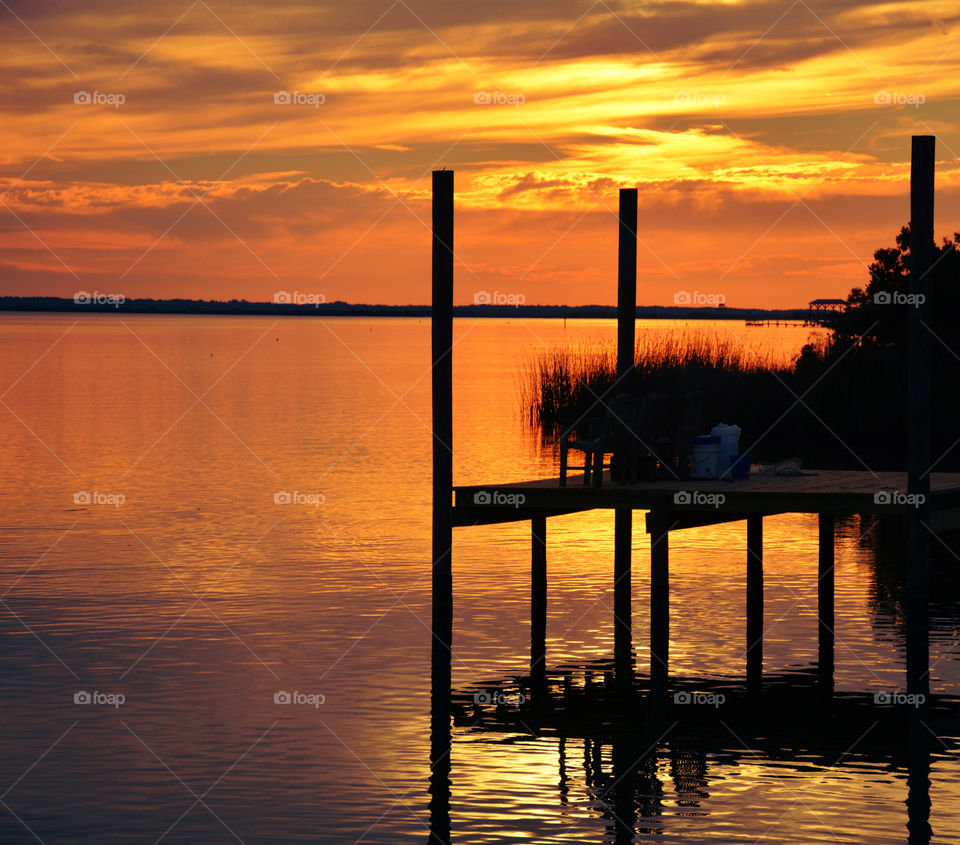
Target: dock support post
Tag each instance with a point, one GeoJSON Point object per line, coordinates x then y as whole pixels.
{"type": "Point", "coordinates": [659, 603]}
{"type": "Point", "coordinates": [825, 585]}
{"type": "Point", "coordinates": [754, 603]}
{"type": "Point", "coordinates": [538, 600]}
{"type": "Point", "coordinates": [623, 517]}
{"type": "Point", "coordinates": [627, 284]}
{"type": "Point", "coordinates": [919, 366]}
{"type": "Point", "coordinates": [918, 774]}
{"type": "Point", "coordinates": [622, 599]}
{"type": "Point", "coordinates": [442, 598]}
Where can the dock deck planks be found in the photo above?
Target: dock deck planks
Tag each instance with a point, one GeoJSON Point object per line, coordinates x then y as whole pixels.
{"type": "Point", "coordinates": [826, 491]}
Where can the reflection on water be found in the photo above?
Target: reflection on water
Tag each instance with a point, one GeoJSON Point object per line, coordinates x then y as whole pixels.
{"type": "Point", "coordinates": [740, 763]}
{"type": "Point", "coordinates": [200, 599]}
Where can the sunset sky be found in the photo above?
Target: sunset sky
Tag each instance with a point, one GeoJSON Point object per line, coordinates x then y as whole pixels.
{"type": "Point", "coordinates": [148, 150]}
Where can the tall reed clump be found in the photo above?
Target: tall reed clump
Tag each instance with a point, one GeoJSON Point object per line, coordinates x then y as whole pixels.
{"type": "Point", "coordinates": [562, 385]}
{"type": "Point", "coordinates": [562, 382]}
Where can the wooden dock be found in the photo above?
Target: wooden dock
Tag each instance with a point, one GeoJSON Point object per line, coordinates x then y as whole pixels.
{"type": "Point", "coordinates": [694, 503]}
{"type": "Point", "coordinates": [682, 504]}
{"type": "Point", "coordinates": [929, 503]}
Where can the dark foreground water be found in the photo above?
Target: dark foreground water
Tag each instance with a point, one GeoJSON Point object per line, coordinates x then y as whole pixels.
{"type": "Point", "coordinates": [214, 571]}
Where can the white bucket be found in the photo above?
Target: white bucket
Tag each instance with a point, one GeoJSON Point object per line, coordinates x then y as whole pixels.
{"type": "Point", "coordinates": [729, 444]}
{"type": "Point", "coordinates": [706, 456]}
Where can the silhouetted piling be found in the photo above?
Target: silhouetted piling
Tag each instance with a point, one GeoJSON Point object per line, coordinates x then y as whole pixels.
{"type": "Point", "coordinates": [754, 603]}
{"type": "Point", "coordinates": [442, 342]}
{"type": "Point", "coordinates": [623, 517]}
{"type": "Point", "coordinates": [538, 601]}
{"type": "Point", "coordinates": [825, 602]}
{"type": "Point", "coordinates": [627, 283]}
{"type": "Point", "coordinates": [919, 365]}
{"type": "Point", "coordinates": [918, 775]}
{"type": "Point", "coordinates": [622, 588]}
{"type": "Point", "coordinates": [659, 606]}
{"type": "Point", "coordinates": [622, 793]}
{"type": "Point", "coordinates": [442, 625]}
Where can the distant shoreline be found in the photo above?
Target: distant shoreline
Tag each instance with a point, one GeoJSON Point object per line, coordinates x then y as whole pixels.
{"type": "Point", "coordinates": [110, 305]}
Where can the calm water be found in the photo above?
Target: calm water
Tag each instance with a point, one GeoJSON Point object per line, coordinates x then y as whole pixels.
{"type": "Point", "coordinates": [199, 598]}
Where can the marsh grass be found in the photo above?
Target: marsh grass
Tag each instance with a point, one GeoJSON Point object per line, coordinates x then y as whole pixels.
{"type": "Point", "coordinates": [568, 383]}
{"type": "Point", "coordinates": [837, 404]}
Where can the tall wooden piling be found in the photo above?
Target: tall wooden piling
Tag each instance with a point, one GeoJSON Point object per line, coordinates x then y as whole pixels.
{"type": "Point", "coordinates": [825, 603]}
{"type": "Point", "coordinates": [659, 601]}
{"type": "Point", "coordinates": [622, 588]}
{"type": "Point", "coordinates": [919, 738]}
{"type": "Point", "coordinates": [919, 393]}
{"type": "Point", "coordinates": [538, 600]}
{"type": "Point", "coordinates": [626, 341]}
{"type": "Point", "coordinates": [442, 390]}
{"type": "Point", "coordinates": [919, 365]}
{"type": "Point", "coordinates": [627, 283]}
{"type": "Point", "coordinates": [442, 343]}
{"type": "Point", "coordinates": [754, 603]}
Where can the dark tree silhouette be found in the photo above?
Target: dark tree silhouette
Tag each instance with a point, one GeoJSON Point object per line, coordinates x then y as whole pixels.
{"type": "Point", "coordinates": [877, 314]}
{"type": "Point", "coordinates": [858, 381]}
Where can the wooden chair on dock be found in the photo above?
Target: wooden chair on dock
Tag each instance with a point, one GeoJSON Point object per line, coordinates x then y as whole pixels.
{"type": "Point", "coordinates": [650, 441]}
{"type": "Point", "coordinates": [664, 432]}
{"type": "Point", "coordinates": [601, 436]}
